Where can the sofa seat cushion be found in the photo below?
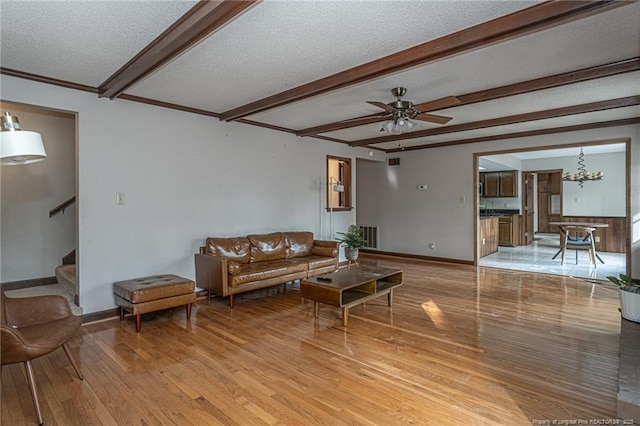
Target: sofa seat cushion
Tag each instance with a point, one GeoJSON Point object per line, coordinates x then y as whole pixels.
{"type": "Point", "coordinates": [316, 262]}
{"type": "Point", "coordinates": [257, 271]}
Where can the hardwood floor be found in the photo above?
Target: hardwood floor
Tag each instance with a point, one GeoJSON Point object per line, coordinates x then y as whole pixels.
{"type": "Point", "coordinates": [461, 346]}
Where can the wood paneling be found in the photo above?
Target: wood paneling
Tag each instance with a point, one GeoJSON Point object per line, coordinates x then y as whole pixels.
{"type": "Point", "coordinates": [488, 236]}
{"type": "Point", "coordinates": [460, 346]}
{"type": "Point", "coordinates": [613, 238]}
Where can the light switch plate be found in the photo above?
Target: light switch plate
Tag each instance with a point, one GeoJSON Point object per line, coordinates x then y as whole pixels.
{"type": "Point", "coordinates": [121, 198]}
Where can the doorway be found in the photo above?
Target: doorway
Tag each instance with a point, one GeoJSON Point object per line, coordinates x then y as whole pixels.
{"type": "Point", "coordinates": [34, 238]}
{"type": "Point", "coordinates": [544, 197]}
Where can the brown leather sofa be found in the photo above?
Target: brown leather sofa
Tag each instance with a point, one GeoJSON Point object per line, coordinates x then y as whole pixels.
{"type": "Point", "coordinates": [229, 266]}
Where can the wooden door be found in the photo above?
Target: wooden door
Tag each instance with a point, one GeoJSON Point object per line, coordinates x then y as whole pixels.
{"type": "Point", "coordinates": [543, 202]}
{"type": "Point", "coordinates": [527, 208]}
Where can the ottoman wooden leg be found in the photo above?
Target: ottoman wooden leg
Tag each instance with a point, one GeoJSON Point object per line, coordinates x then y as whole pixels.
{"type": "Point", "coordinates": [231, 300]}
{"type": "Point", "coordinates": [188, 311]}
{"type": "Point", "coordinates": [138, 323]}
{"type": "Point", "coordinates": [121, 313]}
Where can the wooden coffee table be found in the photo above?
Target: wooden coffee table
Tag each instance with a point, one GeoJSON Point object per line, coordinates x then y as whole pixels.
{"type": "Point", "coordinates": [351, 287]}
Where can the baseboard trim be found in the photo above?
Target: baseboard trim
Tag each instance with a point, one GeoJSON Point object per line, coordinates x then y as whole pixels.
{"type": "Point", "coordinates": [101, 316]}
{"type": "Point", "coordinates": [34, 282]}
{"type": "Point", "coordinates": [378, 253]}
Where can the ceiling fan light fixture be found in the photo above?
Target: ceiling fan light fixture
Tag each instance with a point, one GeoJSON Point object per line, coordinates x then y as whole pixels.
{"type": "Point", "coordinates": [388, 126]}
{"type": "Point", "coordinates": [410, 124]}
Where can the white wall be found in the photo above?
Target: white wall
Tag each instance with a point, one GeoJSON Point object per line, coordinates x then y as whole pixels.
{"type": "Point", "coordinates": [33, 244]}
{"type": "Point", "coordinates": [185, 177]}
{"type": "Point", "coordinates": [410, 219]}
{"type": "Point", "coordinates": [597, 198]}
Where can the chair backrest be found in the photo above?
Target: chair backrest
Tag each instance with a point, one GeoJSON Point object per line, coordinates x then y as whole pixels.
{"type": "Point", "coordinates": [579, 236]}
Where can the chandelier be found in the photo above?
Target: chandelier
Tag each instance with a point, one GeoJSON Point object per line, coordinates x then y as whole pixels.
{"type": "Point", "coordinates": [582, 175]}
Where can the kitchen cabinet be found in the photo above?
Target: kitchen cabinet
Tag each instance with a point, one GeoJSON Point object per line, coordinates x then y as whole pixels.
{"type": "Point", "coordinates": [488, 236]}
{"type": "Point", "coordinates": [500, 184]}
{"type": "Point", "coordinates": [509, 230]}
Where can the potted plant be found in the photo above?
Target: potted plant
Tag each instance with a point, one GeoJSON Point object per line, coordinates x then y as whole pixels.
{"type": "Point", "coordinates": [629, 289]}
{"type": "Point", "coordinates": [353, 241]}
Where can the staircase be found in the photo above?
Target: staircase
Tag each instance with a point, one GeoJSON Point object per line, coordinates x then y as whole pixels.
{"type": "Point", "coordinates": [66, 276]}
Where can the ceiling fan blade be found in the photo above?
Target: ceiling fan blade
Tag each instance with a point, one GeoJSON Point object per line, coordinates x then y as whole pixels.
{"type": "Point", "coordinates": [439, 119]}
{"type": "Point", "coordinates": [441, 103]}
{"type": "Point", "coordinates": [382, 105]}
{"type": "Point", "coordinates": [344, 124]}
{"type": "Point", "coordinates": [365, 118]}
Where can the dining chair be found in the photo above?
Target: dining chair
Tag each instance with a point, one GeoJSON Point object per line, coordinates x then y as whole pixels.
{"type": "Point", "coordinates": [33, 327]}
{"type": "Point", "coordinates": [579, 238]}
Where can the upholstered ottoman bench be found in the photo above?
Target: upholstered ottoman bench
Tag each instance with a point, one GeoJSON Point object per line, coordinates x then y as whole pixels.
{"type": "Point", "coordinates": [149, 294]}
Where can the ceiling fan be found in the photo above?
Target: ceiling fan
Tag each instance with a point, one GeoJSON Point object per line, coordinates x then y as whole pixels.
{"type": "Point", "coordinates": [399, 114]}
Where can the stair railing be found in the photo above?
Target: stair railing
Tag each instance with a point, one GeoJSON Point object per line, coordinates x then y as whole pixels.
{"type": "Point", "coordinates": [62, 206]}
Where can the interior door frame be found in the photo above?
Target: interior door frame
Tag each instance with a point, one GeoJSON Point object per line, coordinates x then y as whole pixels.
{"type": "Point", "coordinates": [527, 228]}
{"type": "Point", "coordinates": [476, 180]}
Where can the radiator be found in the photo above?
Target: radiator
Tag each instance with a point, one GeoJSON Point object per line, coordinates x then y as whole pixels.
{"type": "Point", "coordinates": [370, 234]}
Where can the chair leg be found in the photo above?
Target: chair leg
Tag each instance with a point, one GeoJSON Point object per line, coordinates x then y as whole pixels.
{"type": "Point", "coordinates": [73, 361]}
{"type": "Point", "coordinates": [564, 247]}
{"type": "Point", "coordinates": [34, 393]}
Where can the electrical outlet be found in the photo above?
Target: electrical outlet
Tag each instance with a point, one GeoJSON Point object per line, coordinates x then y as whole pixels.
{"type": "Point", "coordinates": [597, 239]}
{"type": "Point", "coordinates": [483, 241]}
{"type": "Point", "coordinates": [432, 246]}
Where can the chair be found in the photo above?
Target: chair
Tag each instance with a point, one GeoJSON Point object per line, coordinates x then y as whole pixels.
{"type": "Point", "coordinates": [33, 327]}
{"type": "Point", "coordinates": [582, 239]}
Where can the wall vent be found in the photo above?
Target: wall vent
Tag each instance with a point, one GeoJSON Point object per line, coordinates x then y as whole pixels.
{"type": "Point", "coordinates": [370, 234]}
{"type": "Point", "coordinates": [394, 161]}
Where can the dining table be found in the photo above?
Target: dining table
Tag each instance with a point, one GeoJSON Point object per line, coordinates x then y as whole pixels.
{"type": "Point", "coordinates": [563, 229]}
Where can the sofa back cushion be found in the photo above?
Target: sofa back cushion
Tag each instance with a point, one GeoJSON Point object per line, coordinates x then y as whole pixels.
{"type": "Point", "coordinates": [237, 249]}
{"type": "Point", "coordinates": [298, 243]}
{"type": "Point", "coordinates": [267, 246]}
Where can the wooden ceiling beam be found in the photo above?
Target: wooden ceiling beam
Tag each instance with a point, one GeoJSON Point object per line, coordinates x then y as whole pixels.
{"type": "Point", "coordinates": [535, 18]}
{"type": "Point", "coordinates": [538, 132]}
{"type": "Point", "coordinates": [571, 77]}
{"type": "Point", "coordinates": [47, 80]}
{"type": "Point", "coordinates": [511, 119]}
{"type": "Point", "coordinates": [339, 125]}
{"type": "Point", "coordinates": [200, 21]}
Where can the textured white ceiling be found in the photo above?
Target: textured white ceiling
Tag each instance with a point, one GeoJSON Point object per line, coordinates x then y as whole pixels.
{"type": "Point", "coordinates": [80, 41]}
{"type": "Point", "coordinates": [282, 44]}
{"type": "Point", "coordinates": [279, 45]}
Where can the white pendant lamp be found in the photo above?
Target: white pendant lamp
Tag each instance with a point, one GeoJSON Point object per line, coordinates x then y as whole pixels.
{"type": "Point", "coordinates": [19, 146]}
